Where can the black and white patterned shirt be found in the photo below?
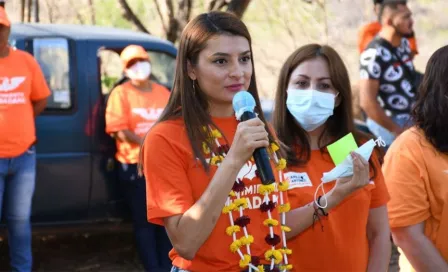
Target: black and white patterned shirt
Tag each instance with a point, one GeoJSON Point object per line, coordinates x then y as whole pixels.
{"type": "Point", "coordinates": [380, 62]}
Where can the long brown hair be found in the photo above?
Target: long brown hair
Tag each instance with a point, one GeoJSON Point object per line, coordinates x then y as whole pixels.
{"type": "Point", "coordinates": [338, 125]}
{"type": "Point", "coordinates": [430, 112]}
{"type": "Point", "coordinates": [187, 101]}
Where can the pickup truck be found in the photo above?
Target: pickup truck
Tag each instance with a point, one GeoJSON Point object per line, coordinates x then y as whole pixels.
{"type": "Point", "coordinates": [76, 181]}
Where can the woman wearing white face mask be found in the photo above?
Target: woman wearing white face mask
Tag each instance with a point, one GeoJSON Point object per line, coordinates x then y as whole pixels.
{"type": "Point", "coordinates": [132, 108]}
{"type": "Point", "coordinates": [314, 109]}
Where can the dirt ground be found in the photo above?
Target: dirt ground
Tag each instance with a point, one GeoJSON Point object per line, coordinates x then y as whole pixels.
{"type": "Point", "coordinates": [80, 252]}
{"type": "Point", "coordinates": [95, 252]}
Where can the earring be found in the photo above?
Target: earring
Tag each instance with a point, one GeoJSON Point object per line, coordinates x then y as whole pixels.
{"type": "Point", "coordinates": [194, 89]}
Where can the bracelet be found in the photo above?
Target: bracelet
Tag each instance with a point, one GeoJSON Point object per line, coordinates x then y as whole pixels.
{"type": "Point", "coordinates": [321, 209]}
{"type": "Point", "coordinates": [316, 216]}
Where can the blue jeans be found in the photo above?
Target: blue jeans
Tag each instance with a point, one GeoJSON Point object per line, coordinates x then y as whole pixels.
{"type": "Point", "coordinates": [379, 131]}
{"type": "Point", "coordinates": [17, 180]}
{"type": "Point", "coordinates": [153, 244]}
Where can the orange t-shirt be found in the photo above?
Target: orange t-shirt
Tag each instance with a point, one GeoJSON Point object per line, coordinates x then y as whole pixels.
{"type": "Point", "coordinates": [21, 83]}
{"type": "Point", "coordinates": [175, 181]}
{"type": "Point", "coordinates": [370, 30]}
{"type": "Point", "coordinates": [134, 110]}
{"type": "Point", "coordinates": [343, 243]}
{"type": "Point", "coordinates": [417, 179]}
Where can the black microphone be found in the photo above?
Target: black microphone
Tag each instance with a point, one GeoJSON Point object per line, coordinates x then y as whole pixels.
{"type": "Point", "coordinates": [244, 105]}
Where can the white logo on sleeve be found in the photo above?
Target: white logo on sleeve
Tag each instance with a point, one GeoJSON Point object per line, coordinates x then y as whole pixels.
{"type": "Point", "coordinates": [298, 180]}
{"type": "Point", "coordinates": [368, 56]}
{"type": "Point", "coordinates": [374, 69]}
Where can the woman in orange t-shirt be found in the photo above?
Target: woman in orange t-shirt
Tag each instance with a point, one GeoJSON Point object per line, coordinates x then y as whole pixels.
{"type": "Point", "coordinates": [314, 109]}
{"type": "Point", "coordinates": [132, 108]}
{"type": "Point", "coordinates": [202, 182]}
{"type": "Point", "coordinates": [416, 171]}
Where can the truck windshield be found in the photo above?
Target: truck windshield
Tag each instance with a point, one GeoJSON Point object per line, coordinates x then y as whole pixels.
{"type": "Point", "coordinates": [163, 66]}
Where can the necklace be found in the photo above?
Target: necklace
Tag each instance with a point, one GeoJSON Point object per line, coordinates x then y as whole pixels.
{"type": "Point", "coordinates": [236, 204]}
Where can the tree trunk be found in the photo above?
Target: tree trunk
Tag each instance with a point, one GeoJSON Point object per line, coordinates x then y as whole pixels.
{"type": "Point", "coordinates": [184, 15]}
{"type": "Point", "coordinates": [173, 23]}
{"type": "Point", "coordinates": [29, 12]}
{"type": "Point", "coordinates": [129, 15]}
{"type": "Point", "coordinates": [216, 4]}
{"type": "Point", "coordinates": [92, 12]}
{"type": "Point", "coordinates": [238, 7]}
{"type": "Point", "coordinates": [50, 8]}
{"type": "Point", "coordinates": [36, 10]}
{"type": "Point", "coordinates": [177, 22]}
{"type": "Point", "coordinates": [22, 11]}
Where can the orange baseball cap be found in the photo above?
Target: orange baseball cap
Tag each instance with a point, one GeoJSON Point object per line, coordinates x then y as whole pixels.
{"type": "Point", "coordinates": [132, 52]}
{"type": "Point", "coordinates": [4, 18]}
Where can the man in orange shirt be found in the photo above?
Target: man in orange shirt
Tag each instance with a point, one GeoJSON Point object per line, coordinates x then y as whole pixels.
{"type": "Point", "coordinates": [132, 108]}
{"type": "Point", "coordinates": [370, 30]}
{"type": "Point", "coordinates": [23, 96]}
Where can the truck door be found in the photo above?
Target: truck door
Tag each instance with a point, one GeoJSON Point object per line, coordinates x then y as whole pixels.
{"type": "Point", "coordinates": [63, 148]}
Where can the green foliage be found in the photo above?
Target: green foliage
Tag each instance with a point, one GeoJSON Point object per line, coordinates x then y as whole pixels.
{"type": "Point", "coordinates": [108, 81]}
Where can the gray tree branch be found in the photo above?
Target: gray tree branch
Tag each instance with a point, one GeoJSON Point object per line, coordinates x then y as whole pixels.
{"type": "Point", "coordinates": [129, 15]}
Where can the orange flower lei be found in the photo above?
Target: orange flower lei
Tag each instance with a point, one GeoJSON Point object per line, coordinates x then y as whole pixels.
{"type": "Point", "coordinates": [236, 203]}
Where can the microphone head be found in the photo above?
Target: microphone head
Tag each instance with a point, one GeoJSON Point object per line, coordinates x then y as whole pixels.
{"type": "Point", "coordinates": [243, 102]}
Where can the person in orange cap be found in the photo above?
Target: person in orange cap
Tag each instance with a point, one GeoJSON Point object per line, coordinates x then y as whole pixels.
{"type": "Point", "coordinates": [132, 109]}
{"type": "Point", "coordinates": [23, 96]}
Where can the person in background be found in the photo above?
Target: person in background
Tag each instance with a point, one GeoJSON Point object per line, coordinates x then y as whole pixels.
{"type": "Point", "coordinates": [313, 108]}
{"type": "Point", "coordinates": [132, 109]}
{"type": "Point", "coordinates": [388, 79]}
{"type": "Point", "coordinates": [416, 172]}
{"type": "Point", "coordinates": [368, 32]}
{"type": "Point", "coordinates": [23, 96]}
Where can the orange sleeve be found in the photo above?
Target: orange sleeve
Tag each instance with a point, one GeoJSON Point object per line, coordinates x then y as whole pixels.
{"type": "Point", "coordinates": [413, 45]}
{"type": "Point", "coordinates": [168, 190]}
{"type": "Point", "coordinates": [366, 34]}
{"type": "Point", "coordinates": [409, 201]}
{"type": "Point", "coordinates": [39, 87]}
{"type": "Point", "coordinates": [380, 195]}
{"type": "Point", "coordinates": [117, 111]}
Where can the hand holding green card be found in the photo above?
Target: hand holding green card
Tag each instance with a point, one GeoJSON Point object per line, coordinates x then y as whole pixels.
{"type": "Point", "coordinates": [340, 149]}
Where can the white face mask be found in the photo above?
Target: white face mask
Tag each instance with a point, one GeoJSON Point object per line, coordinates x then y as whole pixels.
{"type": "Point", "coordinates": [345, 168]}
{"type": "Point", "coordinates": [139, 71]}
{"type": "Point", "coordinates": [310, 108]}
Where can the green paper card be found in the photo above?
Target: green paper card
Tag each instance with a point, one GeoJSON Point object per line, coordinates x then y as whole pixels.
{"type": "Point", "coordinates": [340, 149]}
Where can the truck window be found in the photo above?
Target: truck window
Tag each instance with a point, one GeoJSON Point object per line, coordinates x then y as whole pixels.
{"type": "Point", "coordinates": [162, 68]}
{"type": "Point", "coordinates": [12, 42]}
{"type": "Point", "coordinates": [52, 54]}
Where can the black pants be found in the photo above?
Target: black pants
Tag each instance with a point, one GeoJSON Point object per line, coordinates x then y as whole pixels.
{"type": "Point", "coordinates": [152, 241]}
